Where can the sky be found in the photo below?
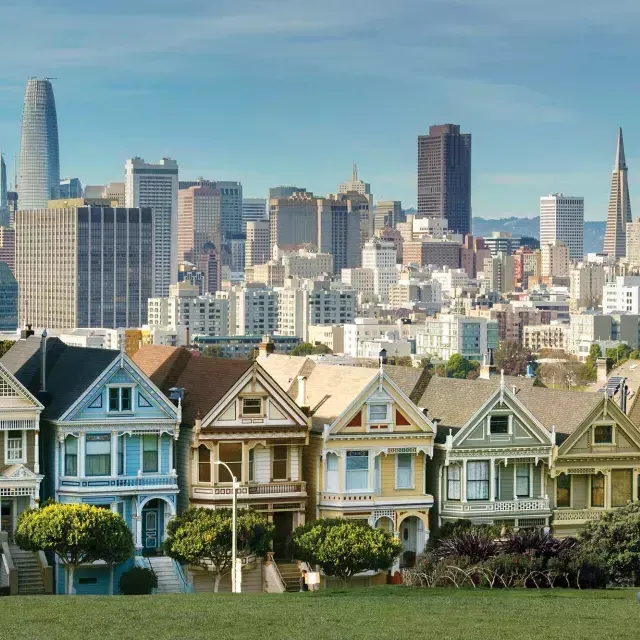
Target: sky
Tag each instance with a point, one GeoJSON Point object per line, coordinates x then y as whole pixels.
{"type": "Point", "coordinates": [275, 92]}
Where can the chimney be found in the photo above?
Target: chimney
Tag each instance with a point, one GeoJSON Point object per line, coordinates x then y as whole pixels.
{"type": "Point", "coordinates": [487, 369]}
{"type": "Point", "coordinates": [382, 357]}
{"type": "Point", "coordinates": [601, 367]}
{"type": "Point", "coordinates": [27, 332]}
{"type": "Point", "coordinates": [623, 395]}
{"type": "Point", "coordinates": [43, 363]}
{"type": "Point", "coordinates": [301, 400]}
{"type": "Point", "coordinates": [266, 347]}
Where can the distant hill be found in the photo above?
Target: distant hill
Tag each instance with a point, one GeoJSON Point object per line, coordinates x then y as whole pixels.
{"type": "Point", "coordinates": [593, 231]}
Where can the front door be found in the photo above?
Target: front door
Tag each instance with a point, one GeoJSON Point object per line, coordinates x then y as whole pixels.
{"type": "Point", "coordinates": [283, 523]}
{"type": "Point", "coordinates": [7, 507]}
{"type": "Point", "coordinates": [409, 534]}
{"type": "Point", "coordinates": [150, 538]}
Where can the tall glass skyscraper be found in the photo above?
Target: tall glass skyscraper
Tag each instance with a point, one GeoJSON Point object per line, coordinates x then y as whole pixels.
{"type": "Point", "coordinates": [39, 177]}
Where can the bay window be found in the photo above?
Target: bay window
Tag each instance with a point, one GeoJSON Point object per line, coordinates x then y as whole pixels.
{"type": "Point", "coordinates": [231, 454]}
{"type": "Point", "coordinates": [332, 472]}
{"type": "Point", "coordinates": [478, 480]}
{"type": "Point", "coordinates": [71, 456]}
{"type": "Point", "coordinates": [523, 484]}
{"type": "Point", "coordinates": [357, 470]}
{"type": "Point", "coordinates": [204, 464]}
{"type": "Point", "coordinates": [150, 453]}
{"type": "Point", "coordinates": [453, 482]}
{"type": "Point", "coordinates": [404, 471]}
{"type": "Point", "coordinates": [98, 454]}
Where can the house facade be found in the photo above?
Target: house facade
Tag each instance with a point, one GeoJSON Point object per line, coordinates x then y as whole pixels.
{"type": "Point", "coordinates": [108, 441]}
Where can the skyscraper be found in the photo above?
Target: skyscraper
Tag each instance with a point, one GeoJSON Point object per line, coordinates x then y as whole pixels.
{"type": "Point", "coordinates": [70, 188]}
{"type": "Point", "coordinates": [360, 200]}
{"type": "Point", "coordinates": [84, 266]}
{"type": "Point", "coordinates": [562, 218]}
{"type": "Point", "coordinates": [619, 205]}
{"type": "Point", "coordinates": [444, 176]}
{"type": "Point", "coordinates": [4, 204]}
{"type": "Point", "coordinates": [156, 186]}
{"type": "Point", "coordinates": [199, 212]}
{"type": "Point", "coordinates": [253, 210]}
{"type": "Point", "coordinates": [39, 179]}
{"type": "Point", "coordinates": [257, 250]}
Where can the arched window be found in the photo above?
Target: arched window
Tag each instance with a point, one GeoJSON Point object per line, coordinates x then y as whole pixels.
{"type": "Point", "coordinates": [204, 464]}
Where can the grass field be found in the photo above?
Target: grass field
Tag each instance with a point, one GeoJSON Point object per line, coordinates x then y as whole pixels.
{"type": "Point", "coordinates": [383, 612]}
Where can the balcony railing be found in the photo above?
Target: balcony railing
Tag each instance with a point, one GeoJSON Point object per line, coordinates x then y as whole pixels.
{"type": "Point", "coordinates": [248, 491]}
{"type": "Point", "coordinates": [98, 484]}
{"type": "Point", "coordinates": [576, 516]}
{"type": "Point", "coordinates": [498, 506]}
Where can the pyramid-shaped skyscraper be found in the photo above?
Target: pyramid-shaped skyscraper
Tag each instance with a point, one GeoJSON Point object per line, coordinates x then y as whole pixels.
{"type": "Point", "coordinates": [619, 206]}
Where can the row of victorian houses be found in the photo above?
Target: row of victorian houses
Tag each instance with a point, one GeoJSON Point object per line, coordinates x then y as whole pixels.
{"type": "Point", "coordinates": [142, 436]}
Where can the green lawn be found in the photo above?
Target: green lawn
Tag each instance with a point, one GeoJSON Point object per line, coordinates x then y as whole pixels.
{"type": "Point", "coordinates": [382, 612]}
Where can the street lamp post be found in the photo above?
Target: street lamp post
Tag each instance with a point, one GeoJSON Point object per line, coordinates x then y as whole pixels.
{"type": "Point", "coordinates": [234, 509]}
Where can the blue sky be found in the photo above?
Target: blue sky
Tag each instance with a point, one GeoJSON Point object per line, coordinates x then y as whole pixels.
{"type": "Point", "coordinates": [293, 91]}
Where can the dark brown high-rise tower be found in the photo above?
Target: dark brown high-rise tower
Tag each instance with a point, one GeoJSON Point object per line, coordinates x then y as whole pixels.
{"type": "Point", "coordinates": [444, 176]}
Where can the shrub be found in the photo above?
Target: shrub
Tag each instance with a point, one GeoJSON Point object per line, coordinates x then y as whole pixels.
{"type": "Point", "coordinates": [537, 543]}
{"type": "Point", "coordinates": [474, 544]}
{"type": "Point", "coordinates": [579, 568]}
{"type": "Point", "coordinates": [138, 581]}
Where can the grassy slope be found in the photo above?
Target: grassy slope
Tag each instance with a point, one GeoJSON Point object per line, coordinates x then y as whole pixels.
{"type": "Point", "coordinates": [385, 612]}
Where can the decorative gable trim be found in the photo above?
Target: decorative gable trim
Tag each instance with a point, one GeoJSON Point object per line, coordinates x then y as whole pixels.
{"type": "Point", "coordinates": [10, 386]}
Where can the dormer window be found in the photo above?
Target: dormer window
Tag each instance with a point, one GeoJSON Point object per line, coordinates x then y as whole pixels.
{"type": "Point", "coordinates": [120, 399]}
{"type": "Point", "coordinates": [499, 425]}
{"type": "Point", "coordinates": [251, 406]}
{"type": "Point", "coordinates": [378, 412]}
{"type": "Point", "coordinates": [603, 434]}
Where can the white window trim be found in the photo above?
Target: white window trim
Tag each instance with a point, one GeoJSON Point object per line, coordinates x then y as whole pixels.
{"type": "Point", "coordinates": [23, 457]}
{"type": "Point", "coordinates": [413, 473]}
{"type": "Point", "coordinates": [446, 481]}
{"type": "Point", "coordinates": [335, 489]}
{"type": "Point", "coordinates": [288, 463]}
{"type": "Point", "coordinates": [499, 436]}
{"type": "Point", "coordinates": [64, 456]}
{"type": "Point", "coordinates": [613, 434]}
{"type": "Point", "coordinates": [389, 421]}
{"type": "Point", "coordinates": [216, 467]}
{"type": "Point", "coordinates": [119, 412]}
{"type": "Point", "coordinates": [263, 403]}
{"type": "Point", "coordinates": [515, 480]}
{"type": "Point", "coordinates": [370, 471]}
{"type": "Point", "coordinates": [466, 480]}
{"type": "Point", "coordinates": [141, 467]}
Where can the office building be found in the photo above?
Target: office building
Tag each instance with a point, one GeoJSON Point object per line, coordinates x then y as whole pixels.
{"type": "Point", "coordinates": [619, 205]}
{"type": "Point", "coordinates": [501, 242]}
{"type": "Point", "coordinates": [8, 247]}
{"type": "Point", "coordinates": [39, 172]}
{"type": "Point", "coordinates": [8, 299]}
{"type": "Point", "coordinates": [113, 192]}
{"type": "Point", "coordinates": [361, 280]}
{"type": "Point", "coordinates": [498, 273]}
{"type": "Point", "coordinates": [388, 213]}
{"type": "Point", "coordinates": [360, 200]}
{"type": "Point", "coordinates": [237, 245]}
{"type": "Point", "coordinates": [70, 188]}
{"type": "Point", "coordinates": [444, 176]}
{"type": "Point", "coordinates": [293, 220]}
{"type": "Point", "coordinates": [285, 191]}
{"type": "Point", "coordinates": [253, 210]}
{"type": "Point", "coordinates": [339, 228]}
{"type": "Point", "coordinates": [380, 257]}
{"type": "Point", "coordinates": [211, 267]}
{"type": "Point", "coordinates": [155, 186]}
{"type": "Point", "coordinates": [270, 274]}
{"type": "Point", "coordinates": [199, 221]}
{"type": "Point", "coordinates": [84, 266]}
{"type": "Point", "coordinates": [587, 281]}
{"type": "Point", "coordinates": [473, 253]}
{"type": "Point", "coordinates": [449, 334]}
{"type": "Point", "coordinates": [562, 218]}
{"type": "Point", "coordinates": [555, 260]}
{"type": "Point", "coordinates": [355, 185]}
{"type": "Point", "coordinates": [633, 244]}
{"type": "Point", "coordinates": [4, 203]}
{"type": "Point", "coordinates": [257, 250]}
{"type": "Point", "coordinates": [621, 294]}
{"type": "Point", "coordinates": [431, 251]}
{"type": "Point", "coordinates": [305, 263]}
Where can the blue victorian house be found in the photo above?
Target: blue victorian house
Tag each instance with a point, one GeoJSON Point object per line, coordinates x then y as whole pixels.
{"type": "Point", "coordinates": [108, 437]}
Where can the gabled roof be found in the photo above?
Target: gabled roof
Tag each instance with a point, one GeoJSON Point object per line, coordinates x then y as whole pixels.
{"type": "Point", "coordinates": [205, 380]}
{"type": "Point", "coordinates": [286, 369]}
{"type": "Point", "coordinates": [70, 371]}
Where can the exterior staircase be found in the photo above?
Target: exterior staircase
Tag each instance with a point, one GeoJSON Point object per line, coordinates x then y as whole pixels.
{"type": "Point", "coordinates": [29, 572]}
{"type": "Point", "coordinates": [290, 573]}
{"type": "Point", "coordinates": [168, 580]}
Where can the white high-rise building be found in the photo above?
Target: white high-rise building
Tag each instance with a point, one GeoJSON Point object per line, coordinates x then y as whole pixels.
{"type": "Point", "coordinates": [380, 257]}
{"type": "Point", "coordinates": [622, 294]}
{"type": "Point", "coordinates": [562, 218]}
{"type": "Point", "coordinates": [156, 186]}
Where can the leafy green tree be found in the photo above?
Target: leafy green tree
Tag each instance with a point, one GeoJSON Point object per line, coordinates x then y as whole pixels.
{"type": "Point", "coordinates": [620, 354]}
{"type": "Point", "coordinates": [202, 537]}
{"type": "Point", "coordinates": [512, 358]}
{"type": "Point", "coordinates": [403, 361]}
{"type": "Point", "coordinates": [344, 547]}
{"type": "Point", "coordinates": [5, 345]}
{"type": "Point", "coordinates": [459, 367]}
{"type": "Point", "coordinates": [595, 352]}
{"type": "Point", "coordinates": [308, 349]}
{"type": "Point", "coordinates": [77, 534]}
{"type": "Point", "coordinates": [213, 350]}
{"type": "Point", "coordinates": [615, 538]}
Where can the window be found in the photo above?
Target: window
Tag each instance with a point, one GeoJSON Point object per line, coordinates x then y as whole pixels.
{"type": "Point", "coordinates": [597, 490]}
{"type": "Point", "coordinates": [15, 446]}
{"type": "Point", "coordinates": [98, 454]}
{"type": "Point", "coordinates": [204, 464]}
{"type": "Point", "coordinates": [231, 453]}
{"type": "Point", "coordinates": [499, 425]}
{"type": "Point", "coordinates": [477, 481]}
{"type": "Point", "coordinates": [621, 487]}
{"type": "Point", "coordinates": [121, 445]}
{"type": "Point", "coordinates": [279, 462]}
{"type": "Point", "coordinates": [523, 484]}
{"type": "Point", "coordinates": [453, 482]}
{"type": "Point", "coordinates": [378, 412]}
{"type": "Point", "coordinates": [332, 472]}
{"type": "Point", "coordinates": [357, 470]}
{"type": "Point", "coordinates": [120, 398]}
{"type": "Point", "coordinates": [603, 434]}
{"type": "Point", "coordinates": [251, 406]}
{"type": "Point", "coordinates": [404, 471]}
{"type": "Point", "coordinates": [71, 456]}
{"type": "Point", "coordinates": [150, 453]}
{"type": "Point", "coordinates": [252, 465]}
{"type": "Point", "coordinates": [377, 473]}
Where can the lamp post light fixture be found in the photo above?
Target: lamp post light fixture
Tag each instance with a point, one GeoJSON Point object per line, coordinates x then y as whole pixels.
{"type": "Point", "coordinates": [235, 588]}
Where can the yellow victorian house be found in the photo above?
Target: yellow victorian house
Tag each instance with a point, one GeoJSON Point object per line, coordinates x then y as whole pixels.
{"type": "Point", "coordinates": [369, 446]}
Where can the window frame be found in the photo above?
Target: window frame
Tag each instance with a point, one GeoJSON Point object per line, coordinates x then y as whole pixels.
{"type": "Point", "coordinates": [508, 432]}
{"type": "Point", "coordinates": [610, 443]}
{"type": "Point", "coordinates": [373, 420]}
{"type": "Point", "coordinates": [23, 447]}
{"type": "Point", "coordinates": [259, 414]}
{"type": "Point", "coordinates": [529, 477]}
{"type": "Point", "coordinates": [200, 464]}
{"type": "Point", "coordinates": [119, 388]}
{"type": "Point", "coordinates": [287, 462]}
{"type": "Point", "coordinates": [451, 481]}
{"type": "Point", "coordinates": [604, 491]}
{"type": "Point", "coordinates": [69, 455]}
{"type": "Point", "coordinates": [412, 469]}
{"type": "Point", "coordinates": [335, 473]}
{"type": "Point", "coordinates": [87, 456]}
{"type": "Point", "coordinates": [481, 481]}
{"type": "Point", "coordinates": [570, 489]}
{"type": "Point", "coordinates": [142, 451]}
{"type": "Point", "coordinates": [221, 468]}
{"type": "Point", "coordinates": [360, 471]}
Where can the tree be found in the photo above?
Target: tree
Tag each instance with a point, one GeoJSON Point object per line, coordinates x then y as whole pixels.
{"type": "Point", "coordinates": [403, 361]}
{"type": "Point", "coordinates": [214, 350]}
{"type": "Point", "coordinates": [595, 352]}
{"type": "Point", "coordinates": [202, 537]}
{"type": "Point", "coordinates": [345, 547]}
{"type": "Point", "coordinates": [459, 367]}
{"type": "Point", "coordinates": [77, 534]}
{"type": "Point", "coordinates": [5, 345]}
{"type": "Point", "coordinates": [619, 354]}
{"type": "Point", "coordinates": [308, 349]}
{"type": "Point", "coordinates": [615, 537]}
{"type": "Point", "coordinates": [512, 358]}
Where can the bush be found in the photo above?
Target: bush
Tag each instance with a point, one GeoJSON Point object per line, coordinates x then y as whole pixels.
{"type": "Point", "coordinates": [138, 581]}
{"type": "Point", "coordinates": [5, 591]}
{"type": "Point", "coordinates": [537, 543]}
{"type": "Point", "coordinates": [578, 568]}
{"type": "Point", "coordinates": [475, 545]}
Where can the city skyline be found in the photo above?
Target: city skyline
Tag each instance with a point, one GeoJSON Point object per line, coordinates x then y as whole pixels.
{"type": "Point", "coordinates": [460, 75]}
